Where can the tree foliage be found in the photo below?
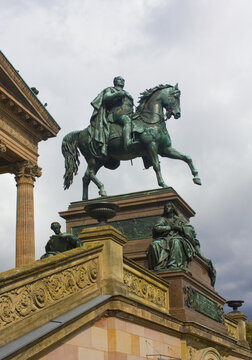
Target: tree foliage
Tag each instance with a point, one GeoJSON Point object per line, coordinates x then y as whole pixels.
{"type": "Point", "coordinates": [249, 332]}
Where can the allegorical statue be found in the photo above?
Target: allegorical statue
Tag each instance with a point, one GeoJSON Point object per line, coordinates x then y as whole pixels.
{"type": "Point", "coordinates": [174, 244]}
{"type": "Point", "coordinates": [112, 105]}
{"type": "Point", "coordinates": [60, 242]}
{"type": "Point", "coordinates": [117, 133]}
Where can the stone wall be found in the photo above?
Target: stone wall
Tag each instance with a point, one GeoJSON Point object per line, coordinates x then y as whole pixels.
{"type": "Point", "coordinates": [115, 339]}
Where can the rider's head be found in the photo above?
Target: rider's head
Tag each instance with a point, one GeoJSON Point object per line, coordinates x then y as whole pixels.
{"type": "Point", "coordinates": [119, 81]}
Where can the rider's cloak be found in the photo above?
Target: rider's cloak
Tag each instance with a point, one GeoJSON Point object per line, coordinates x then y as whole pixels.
{"type": "Point", "coordinates": [100, 124]}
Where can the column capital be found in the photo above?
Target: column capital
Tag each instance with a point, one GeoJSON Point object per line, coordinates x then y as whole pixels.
{"type": "Point", "coordinates": [26, 172]}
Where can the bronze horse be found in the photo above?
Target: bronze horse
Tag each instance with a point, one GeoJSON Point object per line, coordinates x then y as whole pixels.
{"type": "Point", "coordinates": [151, 139]}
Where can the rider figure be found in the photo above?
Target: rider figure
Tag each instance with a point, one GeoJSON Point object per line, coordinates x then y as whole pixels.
{"type": "Point", "coordinates": [112, 105]}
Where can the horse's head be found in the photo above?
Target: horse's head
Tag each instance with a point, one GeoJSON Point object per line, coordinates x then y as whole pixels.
{"type": "Point", "coordinates": [171, 101]}
{"type": "Point", "coordinates": [152, 101]}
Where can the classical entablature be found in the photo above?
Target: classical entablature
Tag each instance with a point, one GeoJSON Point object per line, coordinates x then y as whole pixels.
{"type": "Point", "coordinates": [24, 122]}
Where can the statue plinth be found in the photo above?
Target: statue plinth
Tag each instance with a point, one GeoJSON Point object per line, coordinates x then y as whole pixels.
{"type": "Point", "coordinates": [192, 297]}
{"type": "Point", "coordinates": [137, 214]}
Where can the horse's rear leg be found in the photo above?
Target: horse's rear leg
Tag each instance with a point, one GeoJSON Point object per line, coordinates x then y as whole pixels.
{"type": "Point", "coordinates": [98, 183]}
{"type": "Point", "coordinates": [152, 151]}
{"type": "Point", "coordinates": [90, 175]}
{"type": "Point", "coordinates": [175, 154]}
{"type": "Point", "coordinates": [85, 183]}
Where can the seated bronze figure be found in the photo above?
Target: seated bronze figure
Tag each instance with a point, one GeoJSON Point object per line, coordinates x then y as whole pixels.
{"type": "Point", "coordinates": [60, 242]}
{"type": "Point", "coordinates": [174, 244]}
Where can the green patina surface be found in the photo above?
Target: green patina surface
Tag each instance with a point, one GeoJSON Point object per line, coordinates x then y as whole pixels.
{"type": "Point", "coordinates": [203, 304]}
{"type": "Point", "coordinates": [175, 244]}
{"type": "Point", "coordinates": [132, 229]}
{"type": "Point", "coordinates": [117, 132]}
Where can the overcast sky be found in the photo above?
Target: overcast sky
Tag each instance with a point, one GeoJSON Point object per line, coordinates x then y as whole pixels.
{"type": "Point", "coordinates": [72, 49]}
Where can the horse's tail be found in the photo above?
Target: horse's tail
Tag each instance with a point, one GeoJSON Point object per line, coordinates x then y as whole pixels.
{"type": "Point", "coordinates": [71, 154]}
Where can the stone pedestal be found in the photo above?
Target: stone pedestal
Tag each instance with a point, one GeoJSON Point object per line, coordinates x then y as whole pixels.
{"type": "Point", "coordinates": [113, 242]}
{"type": "Point", "coordinates": [192, 297]}
{"type": "Point", "coordinates": [240, 318]}
{"type": "Point", "coordinates": [137, 214]}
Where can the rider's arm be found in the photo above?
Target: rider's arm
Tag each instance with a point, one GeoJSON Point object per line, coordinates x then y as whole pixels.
{"type": "Point", "coordinates": [110, 96]}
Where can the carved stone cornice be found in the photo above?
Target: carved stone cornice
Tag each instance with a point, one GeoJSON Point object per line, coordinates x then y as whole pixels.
{"type": "Point", "coordinates": [46, 120]}
{"type": "Point", "coordinates": [10, 128]}
{"type": "Point", "coordinates": [15, 107]}
{"type": "Point", "coordinates": [26, 172]}
{"type": "Point", "coordinates": [2, 147]}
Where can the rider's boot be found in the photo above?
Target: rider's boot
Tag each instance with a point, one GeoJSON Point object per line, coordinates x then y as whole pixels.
{"type": "Point", "coordinates": [127, 140]}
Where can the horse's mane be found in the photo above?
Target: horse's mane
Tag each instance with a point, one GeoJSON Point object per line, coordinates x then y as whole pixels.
{"type": "Point", "coordinates": [144, 96]}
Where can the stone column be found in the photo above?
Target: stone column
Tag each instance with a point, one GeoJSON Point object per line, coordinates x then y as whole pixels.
{"type": "Point", "coordinates": [25, 173]}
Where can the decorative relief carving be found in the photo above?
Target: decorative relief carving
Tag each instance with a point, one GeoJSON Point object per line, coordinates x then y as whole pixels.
{"type": "Point", "coordinates": [7, 309]}
{"type": "Point", "coordinates": [232, 329]}
{"type": "Point", "coordinates": [40, 294]}
{"type": "Point", "coordinates": [197, 301]}
{"type": "Point", "coordinates": [139, 228]}
{"type": "Point", "coordinates": [144, 289]}
{"type": "Point", "coordinates": [24, 303]}
{"type": "Point", "coordinates": [207, 354]}
{"type": "Point", "coordinates": [191, 351]}
{"type": "Point", "coordinates": [19, 303]}
{"type": "Point", "coordinates": [25, 169]}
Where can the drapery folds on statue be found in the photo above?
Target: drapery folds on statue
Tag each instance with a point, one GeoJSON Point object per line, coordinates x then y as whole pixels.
{"type": "Point", "coordinates": [112, 105]}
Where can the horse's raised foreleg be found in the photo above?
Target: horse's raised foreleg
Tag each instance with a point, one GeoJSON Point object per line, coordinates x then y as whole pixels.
{"type": "Point", "coordinates": [90, 175]}
{"type": "Point", "coordinates": [175, 154]}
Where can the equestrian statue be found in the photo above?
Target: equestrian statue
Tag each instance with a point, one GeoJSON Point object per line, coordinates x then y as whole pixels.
{"type": "Point", "coordinates": [117, 132]}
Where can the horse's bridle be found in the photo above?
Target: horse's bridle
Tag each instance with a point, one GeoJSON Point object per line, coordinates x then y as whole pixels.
{"type": "Point", "coordinates": [152, 112]}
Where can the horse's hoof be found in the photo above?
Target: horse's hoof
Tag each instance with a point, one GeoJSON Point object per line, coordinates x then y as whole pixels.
{"type": "Point", "coordinates": [102, 193]}
{"type": "Point", "coordinates": [197, 180]}
{"type": "Point", "coordinates": [163, 185]}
